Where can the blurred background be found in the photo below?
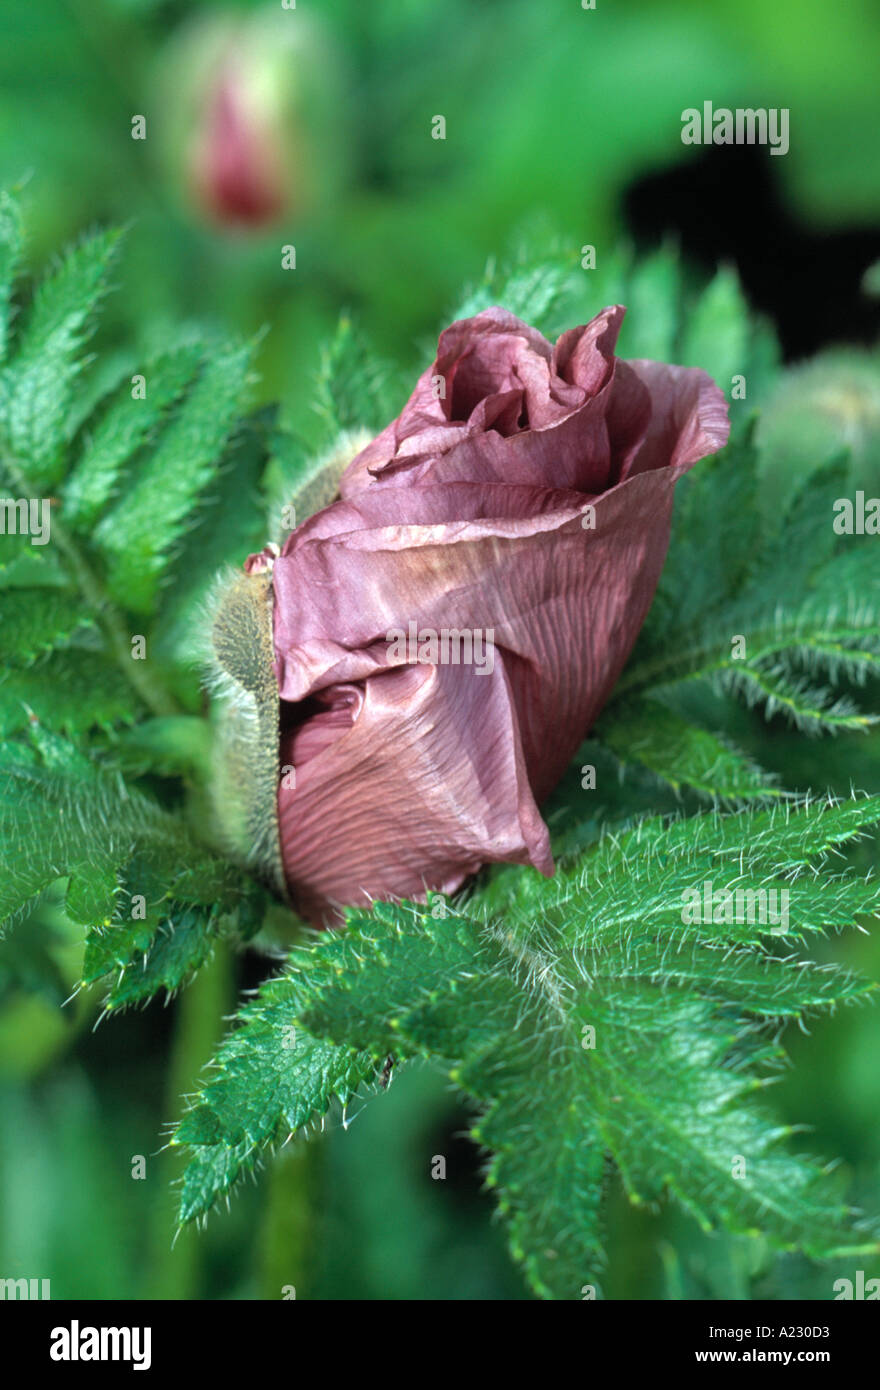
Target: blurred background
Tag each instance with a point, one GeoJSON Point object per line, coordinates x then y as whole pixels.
{"type": "Point", "coordinates": [276, 167]}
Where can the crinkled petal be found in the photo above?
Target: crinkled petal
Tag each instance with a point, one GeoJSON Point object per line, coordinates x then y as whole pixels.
{"type": "Point", "coordinates": [562, 439]}
{"type": "Point", "coordinates": [563, 603]}
{"type": "Point", "coordinates": [688, 418]}
{"type": "Point", "coordinates": [419, 787]}
{"type": "Point", "coordinates": [521, 502]}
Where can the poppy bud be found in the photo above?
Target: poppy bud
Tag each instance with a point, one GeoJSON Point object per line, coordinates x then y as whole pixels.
{"type": "Point", "coordinates": [446, 631]}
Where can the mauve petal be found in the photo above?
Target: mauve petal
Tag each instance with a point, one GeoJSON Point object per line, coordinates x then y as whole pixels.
{"type": "Point", "coordinates": [421, 424]}
{"type": "Point", "coordinates": [585, 356]}
{"type": "Point", "coordinates": [481, 358]}
{"type": "Point", "coordinates": [506, 363]}
{"type": "Point", "coordinates": [570, 450]}
{"type": "Point", "coordinates": [627, 418]}
{"type": "Point", "coordinates": [584, 603]}
{"type": "Point", "coordinates": [467, 513]}
{"type": "Point", "coordinates": [474, 376]}
{"type": "Point", "coordinates": [443, 575]}
{"type": "Point", "coordinates": [564, 604]}
{"type": "Point", "coordinates": [574, 453]}
{"type": "Point", "coordinates": [500, 412]}
{"type": "Point", "coordinates": [480, 334]}
{"type": "Point", "coordinates": [334, 710]}
{"type": "Point", "coordinates": [361, 824]}
{"type": "Point", "coordinates": [424, 427]}
{"type": "Point", "coordinates": [430, 505]}
{"type": "Point", "coordinates": [688, 417]}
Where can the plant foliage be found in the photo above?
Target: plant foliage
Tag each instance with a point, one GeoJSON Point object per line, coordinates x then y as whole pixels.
{"type": "Point", "coordinates": [592, 1021]}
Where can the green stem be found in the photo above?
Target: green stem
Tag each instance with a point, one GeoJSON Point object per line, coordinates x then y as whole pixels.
{"type": "Point", "coordinates": [176, 1271]}
{"type": "Point", "coordinates": [287, 1239]}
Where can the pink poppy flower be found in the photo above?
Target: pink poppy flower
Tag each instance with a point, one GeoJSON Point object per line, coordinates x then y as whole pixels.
{"type": "Point", "coordinates": [447, 631]}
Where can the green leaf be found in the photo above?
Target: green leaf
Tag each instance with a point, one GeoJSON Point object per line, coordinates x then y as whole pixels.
{"type": "Point", "coordinates": [700, 577]}
{"type": "Point", "coordinates": [556, 1035]}
{"type": "Point", "coordinates": [169, 912]}
{"type": "Point", "coordinates": [231, 526]}
{"type": "Point", "coordinates": [270, 1078]}
{"type": "Point", "coordinates": [33, 621]}
{"type": "Point", "coordinates": [788, 836]}
{"type": "Point", "coordinates": [532, 292]}
{"type": "Point", "coordinates": [62, 815]}
{"type": "Point", "coordinates": [142, 531]}
{"type": "Point", "coordinates": [767, 986]}
{"type": "Point", "coordinates": [211, 1172]}
{"type": "Point", "coordinates": [102, 376]}
{"type": "Point", "coordinates": [653, 305]}
{"type": "Point", "coordinates": [353, 389]}
{"type": "Point", "coordinates": [597, 1023]}
{"type": "Point", "coordinates": [150, 961]}
{"type": "Point", "coordinates": [11, 242]}
{"type": "Point", "coordinates": [759, 615]}
{"type": "Point", "coordinates": [71, 689]}
{"type": "Point", "coordinates": [717, 330]}
{"type": "Point", "coordinates": [32, 962]}
{"type": "Point", "coordinates": [38, 384]}
{"type": "Point", "coordinates": [126, 426]}
{"type": "Point", "coordinates": [805, 540]}
{"type": "Point", "coordinates": [812, 709]}
{"type": "Point", "coordinates": [173, 746]}
{"type": "Point", "coordinates": [57, 813]}
{"type": "Point", "coordinates": [681, 753]}
{"type": "Point", "coordinates": [23, 564]}
{"type": "Point", "coordinates": [91, 893]}
{"type": "Point", "coordinates": [679, 1119]}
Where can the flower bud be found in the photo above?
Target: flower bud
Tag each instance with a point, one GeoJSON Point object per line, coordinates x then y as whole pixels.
{"type": "Point", "coordinates": [446, 631]}
{"type": "Point", "coordinates": [250, 117]}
